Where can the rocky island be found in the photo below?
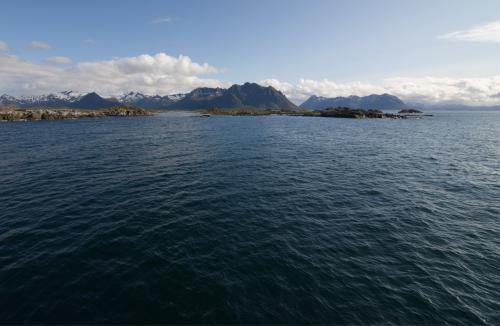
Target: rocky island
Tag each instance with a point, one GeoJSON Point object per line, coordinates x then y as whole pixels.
{"type": "Point", "coordinates": [16, 114]}
{"type": "Point", "coordinates": [344, 112]}
{"type": "Point", "coordinates": [337, 112]}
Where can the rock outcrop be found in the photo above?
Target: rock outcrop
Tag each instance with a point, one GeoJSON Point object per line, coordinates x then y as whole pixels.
{"type": "Point", "coordinates": [15, 114]}
{"type": "Point", "coordinates": [344, 112]}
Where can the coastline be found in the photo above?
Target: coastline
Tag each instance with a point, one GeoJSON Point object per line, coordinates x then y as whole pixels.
{"type": "Point", "coordinates": [46, 113]}
{"type": "Point", "coordinates": [340, 112]}
{"type": "Point", "coordinates": [36, 114]}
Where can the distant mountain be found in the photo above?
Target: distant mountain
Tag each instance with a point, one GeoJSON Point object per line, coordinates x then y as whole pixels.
{"type": "Point", "coordinates": [248, 95]}
{"type": "Point", "coordinates": [93, 101]}
{"type": "Point", "coordinates": [67, 99]}
{"type": "Point", "coordinates": [150, 102]}
{"type": "Point", "coordinates": [51, 100]}
{"type": "Point", "coordinates": [379, 102]}
{"type": "Point", "coordinates": [454, 107]}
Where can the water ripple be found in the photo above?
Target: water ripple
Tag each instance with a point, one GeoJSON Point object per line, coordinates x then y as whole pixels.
{"type": "Point", "coordinates": [176, 219]}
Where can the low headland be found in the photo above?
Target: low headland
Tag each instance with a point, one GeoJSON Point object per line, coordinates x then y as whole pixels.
{"type": "Point", "coordinates": [43, 113]}
{"type": "Point", "coordinates": [339, 112]}
{"type": "Point", "coordinates": [33, 114]}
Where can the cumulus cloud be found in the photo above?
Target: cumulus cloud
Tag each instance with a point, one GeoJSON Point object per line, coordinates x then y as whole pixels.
{"type": "Point", "coordinates": [150, 74]}
{"type": "Point", "coordinates": [489, 33]}
{"type": "Point", "coordinates": [58, 60]}
{"type": "Point", "coordinates": [164, 74]}
{"type": "Point", "coordinates": [4, 46]}
{"type": "Point", "coordinates": [473, 91]}
{"type": "Point", "coordinates": [161, 20]}
{"type": "Point", "coordinates": [39, 45]}
{"type": "Point", "coordinates": [300, 91]}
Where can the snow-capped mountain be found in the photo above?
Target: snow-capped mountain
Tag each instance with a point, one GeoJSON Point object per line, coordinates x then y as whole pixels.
{"type": "Point", "coordinates": [48, 100]}
{"type": "Point", "coordinates": [150, 102]}
{"type": "Point", "coordinates": [90, 100]}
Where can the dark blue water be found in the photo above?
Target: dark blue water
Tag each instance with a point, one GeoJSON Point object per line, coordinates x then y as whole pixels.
{"type": "Point", "coordinates": [180, 219]}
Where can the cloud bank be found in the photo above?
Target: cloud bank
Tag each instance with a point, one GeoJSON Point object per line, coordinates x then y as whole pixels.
{"type": "Point", "coordinates": [58, 60]}
{"type": "Point", "coordinates": [150, 74]}
{"type": "Point", "coordinates": [164, 74]}
{"type": "Point", "coordinates": [4, 46]}
{"type": "Point", "coordinates": [472, 91]}
{"type": "Point", "coordinates": [39, 45]}
{"type": "Point", "coordinates": [489, 33]}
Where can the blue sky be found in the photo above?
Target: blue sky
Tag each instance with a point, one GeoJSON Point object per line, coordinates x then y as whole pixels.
{"type": "Point", "coordinates": [301, 47]}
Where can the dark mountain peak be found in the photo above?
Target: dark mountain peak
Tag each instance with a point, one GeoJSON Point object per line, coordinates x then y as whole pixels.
{"type": "Point", "coordinates": [94, 101]}
{"type": "Point", "coordinates": [248, 95]}
{"type": "Point", "coordinates": [92, 95]}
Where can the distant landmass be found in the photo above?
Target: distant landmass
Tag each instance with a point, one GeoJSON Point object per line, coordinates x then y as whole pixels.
{"type": "Point", "coordinates": [93, 101]}
{"type": "Point", "coordinates": [248, 95]}
{"type": "Point", "coordinates": [454, 107]}
{"type": "Point", "coordinates": [377, 102]}
{"type": "Point", "coordinates": [66, 99]}
{"type": "Point", "coordinates": [62, 99]}
{"type": "Point", "coordinates": [150, 102]}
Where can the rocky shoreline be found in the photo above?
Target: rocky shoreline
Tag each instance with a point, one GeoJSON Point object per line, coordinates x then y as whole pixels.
{"type": "Point", "coordinates": [34, 114]}
{"type": "Point", "coordinates": [338, 112]}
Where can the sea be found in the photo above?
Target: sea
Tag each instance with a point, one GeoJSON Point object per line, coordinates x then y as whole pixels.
{"type": "Point", "coordinates": [183, 219]}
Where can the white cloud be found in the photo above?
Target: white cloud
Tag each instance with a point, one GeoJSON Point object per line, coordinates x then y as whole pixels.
{"type": "Point", "coordinates": [161, 20]}
{"type": "Point", "coordinates": [473, 91]}
{"type": "Point", "coordinates": [489, 33]}
{"type": "Point", "coordinates": [4, 46]}
{"type": "Point", "coordinates": [58, 60]}
{"type": "Point", "coordinates": [39, 45]}
{"type": "Point", "coordinates": [164, 74]}
{"type": "Point", "coordinates": [150, 74]}
{"type": "Point", "coordinates": [300, 91]}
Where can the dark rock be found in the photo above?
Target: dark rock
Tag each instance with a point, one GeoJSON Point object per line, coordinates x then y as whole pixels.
{"type": "Point", "coordinates": [248, 95]}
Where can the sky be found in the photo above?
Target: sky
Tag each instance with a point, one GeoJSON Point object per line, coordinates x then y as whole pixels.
{"type": "Point", "coordinates": [422, 51]}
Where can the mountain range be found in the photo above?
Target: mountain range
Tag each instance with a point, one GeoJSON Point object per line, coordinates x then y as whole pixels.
{"type": "Point", "coordinates": [379, 102]}
{"type": "Point", "coordinates": [248, 95]}
{"type": "Point", "coordinates": [150, 102]}
{"type": "Point", "coordinates": [443, 106]}
{"type": "Point", "coordinates": [64, 99]}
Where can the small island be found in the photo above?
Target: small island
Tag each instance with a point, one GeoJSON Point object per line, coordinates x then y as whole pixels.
{"type": "Point", "coordinates": [34, 114]}
{"type": "Point", "coordinates": [334, 112]}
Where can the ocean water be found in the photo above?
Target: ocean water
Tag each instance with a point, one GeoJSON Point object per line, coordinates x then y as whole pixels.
{"type": "Point", "coordinates": [182, 219]}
